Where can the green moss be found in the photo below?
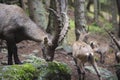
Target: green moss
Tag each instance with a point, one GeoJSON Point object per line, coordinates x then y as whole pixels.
{"type": "Point", "coordinates": [55, 71]}
{"type": "Point", "coordinates": [61, 67]}
{"type": "Point", "coordinates": [18, 72]}
{"type": "Point", "coordinates": [72, 23]}
{"type": "Point", "coordinates": [94, 28]}
{"type": "Point", "coordinates": [36, 69]}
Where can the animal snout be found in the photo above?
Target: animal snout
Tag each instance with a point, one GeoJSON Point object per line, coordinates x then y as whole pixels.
{"type": "Point", "coordinates": [50, 42]}
{"type": "Point", "coordinates": [102, 61]}
{"type": "Point", "coordinates": [47, 41]}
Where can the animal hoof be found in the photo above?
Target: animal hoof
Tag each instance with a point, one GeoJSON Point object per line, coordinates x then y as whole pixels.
{"type": "Point", "coordinates": [18, 63]}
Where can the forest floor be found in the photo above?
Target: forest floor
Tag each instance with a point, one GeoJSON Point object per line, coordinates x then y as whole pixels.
{"type": "Point", "coordinates": [29, 47]}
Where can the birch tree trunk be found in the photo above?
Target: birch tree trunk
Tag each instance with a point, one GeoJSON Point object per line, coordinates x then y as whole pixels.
{"type": "Point", "coordinates": [80, 21]}
{"type": "Point", "coordinates": [37, 13]}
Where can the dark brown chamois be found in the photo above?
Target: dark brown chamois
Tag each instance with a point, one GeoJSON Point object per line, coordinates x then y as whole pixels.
{"type": "Point", "coordinates": [16, 26]}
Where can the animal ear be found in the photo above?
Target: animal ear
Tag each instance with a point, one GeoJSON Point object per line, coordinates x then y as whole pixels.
{"type": "Point", "coordinates": [45, 40]}
{"type": "Point", "coordinates": [87, 34]}
{"type": "Point", "coordinates": [91, 44]}
{"type": "Point", "coordinates": [98, 44]}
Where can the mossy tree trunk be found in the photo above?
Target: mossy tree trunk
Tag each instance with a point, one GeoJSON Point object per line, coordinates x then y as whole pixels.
{"type": "Point", "coordinates": [96, 10]}
{"type": "Point", "coordinates": [113, 11]}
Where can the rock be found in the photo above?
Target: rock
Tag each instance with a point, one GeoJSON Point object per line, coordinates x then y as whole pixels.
{"type": "Point", "coordinates": [106, 74]}
{"type": "Point", "coordinates": [18, 72]}
{"type": "Point", "coordinates": [4, 51]}
{"type": "Point", "coordinates": [4, 62]}
{"type": "Point", "coordinates": [118, 74]}
{"type": "Point", "coordinates": [35, 68]}
{"type": "Point", "coordinates": [51, 70]}
{"type": "Point", "coordinates": [117, 66]}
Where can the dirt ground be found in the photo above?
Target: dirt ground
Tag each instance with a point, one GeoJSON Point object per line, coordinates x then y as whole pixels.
{"type": "Point", "coordinates": [28, 47]}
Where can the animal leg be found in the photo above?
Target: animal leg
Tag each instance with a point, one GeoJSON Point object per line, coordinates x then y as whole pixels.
{"type": "Point", "coordinates": [102, 58]}
{"type": "Point", "coordinates": [97, 71]}
{"type": "Point", "coordinates": [92, 61]}
{"type": "Point", "coordinates": [78, 69]}
{"type": "Point", "coordinates": [16, 58]}
{"type": "Point", "coordinates": [10, 52]}
{"type": "Point", "coordinates": [82, 69]}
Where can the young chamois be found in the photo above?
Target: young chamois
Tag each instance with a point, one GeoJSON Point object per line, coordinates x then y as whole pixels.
{"type": "Point", "coordinates": [16, 26]}
{"type": "Point", "coordinates": [82, 53]}
{"type": "Point", "coordinates": [101, 49]}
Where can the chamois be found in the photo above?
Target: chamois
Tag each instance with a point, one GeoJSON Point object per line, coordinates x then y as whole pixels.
{"type": "Point", "coordinates": [101, 49]}
{"type": "Point", "coordinates": [82, 53]}
{"type": "Point", "coordinates": [16, 26]}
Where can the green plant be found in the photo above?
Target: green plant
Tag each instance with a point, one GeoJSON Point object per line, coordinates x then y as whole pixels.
{"type": "Point", "coordinates": [21, 72]}
{"type": "Point", "coordinates": [72, 23]}
{"type": "Point", "coordinates": [94, 28]}
{"type": "Point", "coordinates": [54, 71]}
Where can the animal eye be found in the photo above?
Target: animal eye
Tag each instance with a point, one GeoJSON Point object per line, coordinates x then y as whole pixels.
{"type": "Point", "coordinates": [83, 46]}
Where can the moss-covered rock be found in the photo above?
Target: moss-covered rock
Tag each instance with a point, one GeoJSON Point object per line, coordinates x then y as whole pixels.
{"type": "Point", "coordinates": [54, 71]}
{"type": "Point", "coordinates": [36, 69]}
{"type": "Point", "coordinates": [18, 72]}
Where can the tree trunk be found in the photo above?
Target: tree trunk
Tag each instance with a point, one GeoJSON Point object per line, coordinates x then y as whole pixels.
{"type": "Point", "coordinates": [22, 5]}
{"type": "Point", "coordinates": [96, 10]}
{"type": "Point", "coordinates": [46, 3]}
{"type": "Point", "coordinates": [113, 11]}
{"type": "Point", "coordinates": [71, 3]}
{"type": "Point", "coordinates": [80, 21]}
{"type": "Point", "coordinates": [118, 7]}
{"type": "Point", "coordinates": [90, 2]}
{"type": "Point", "coordinates": [37, 13]}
